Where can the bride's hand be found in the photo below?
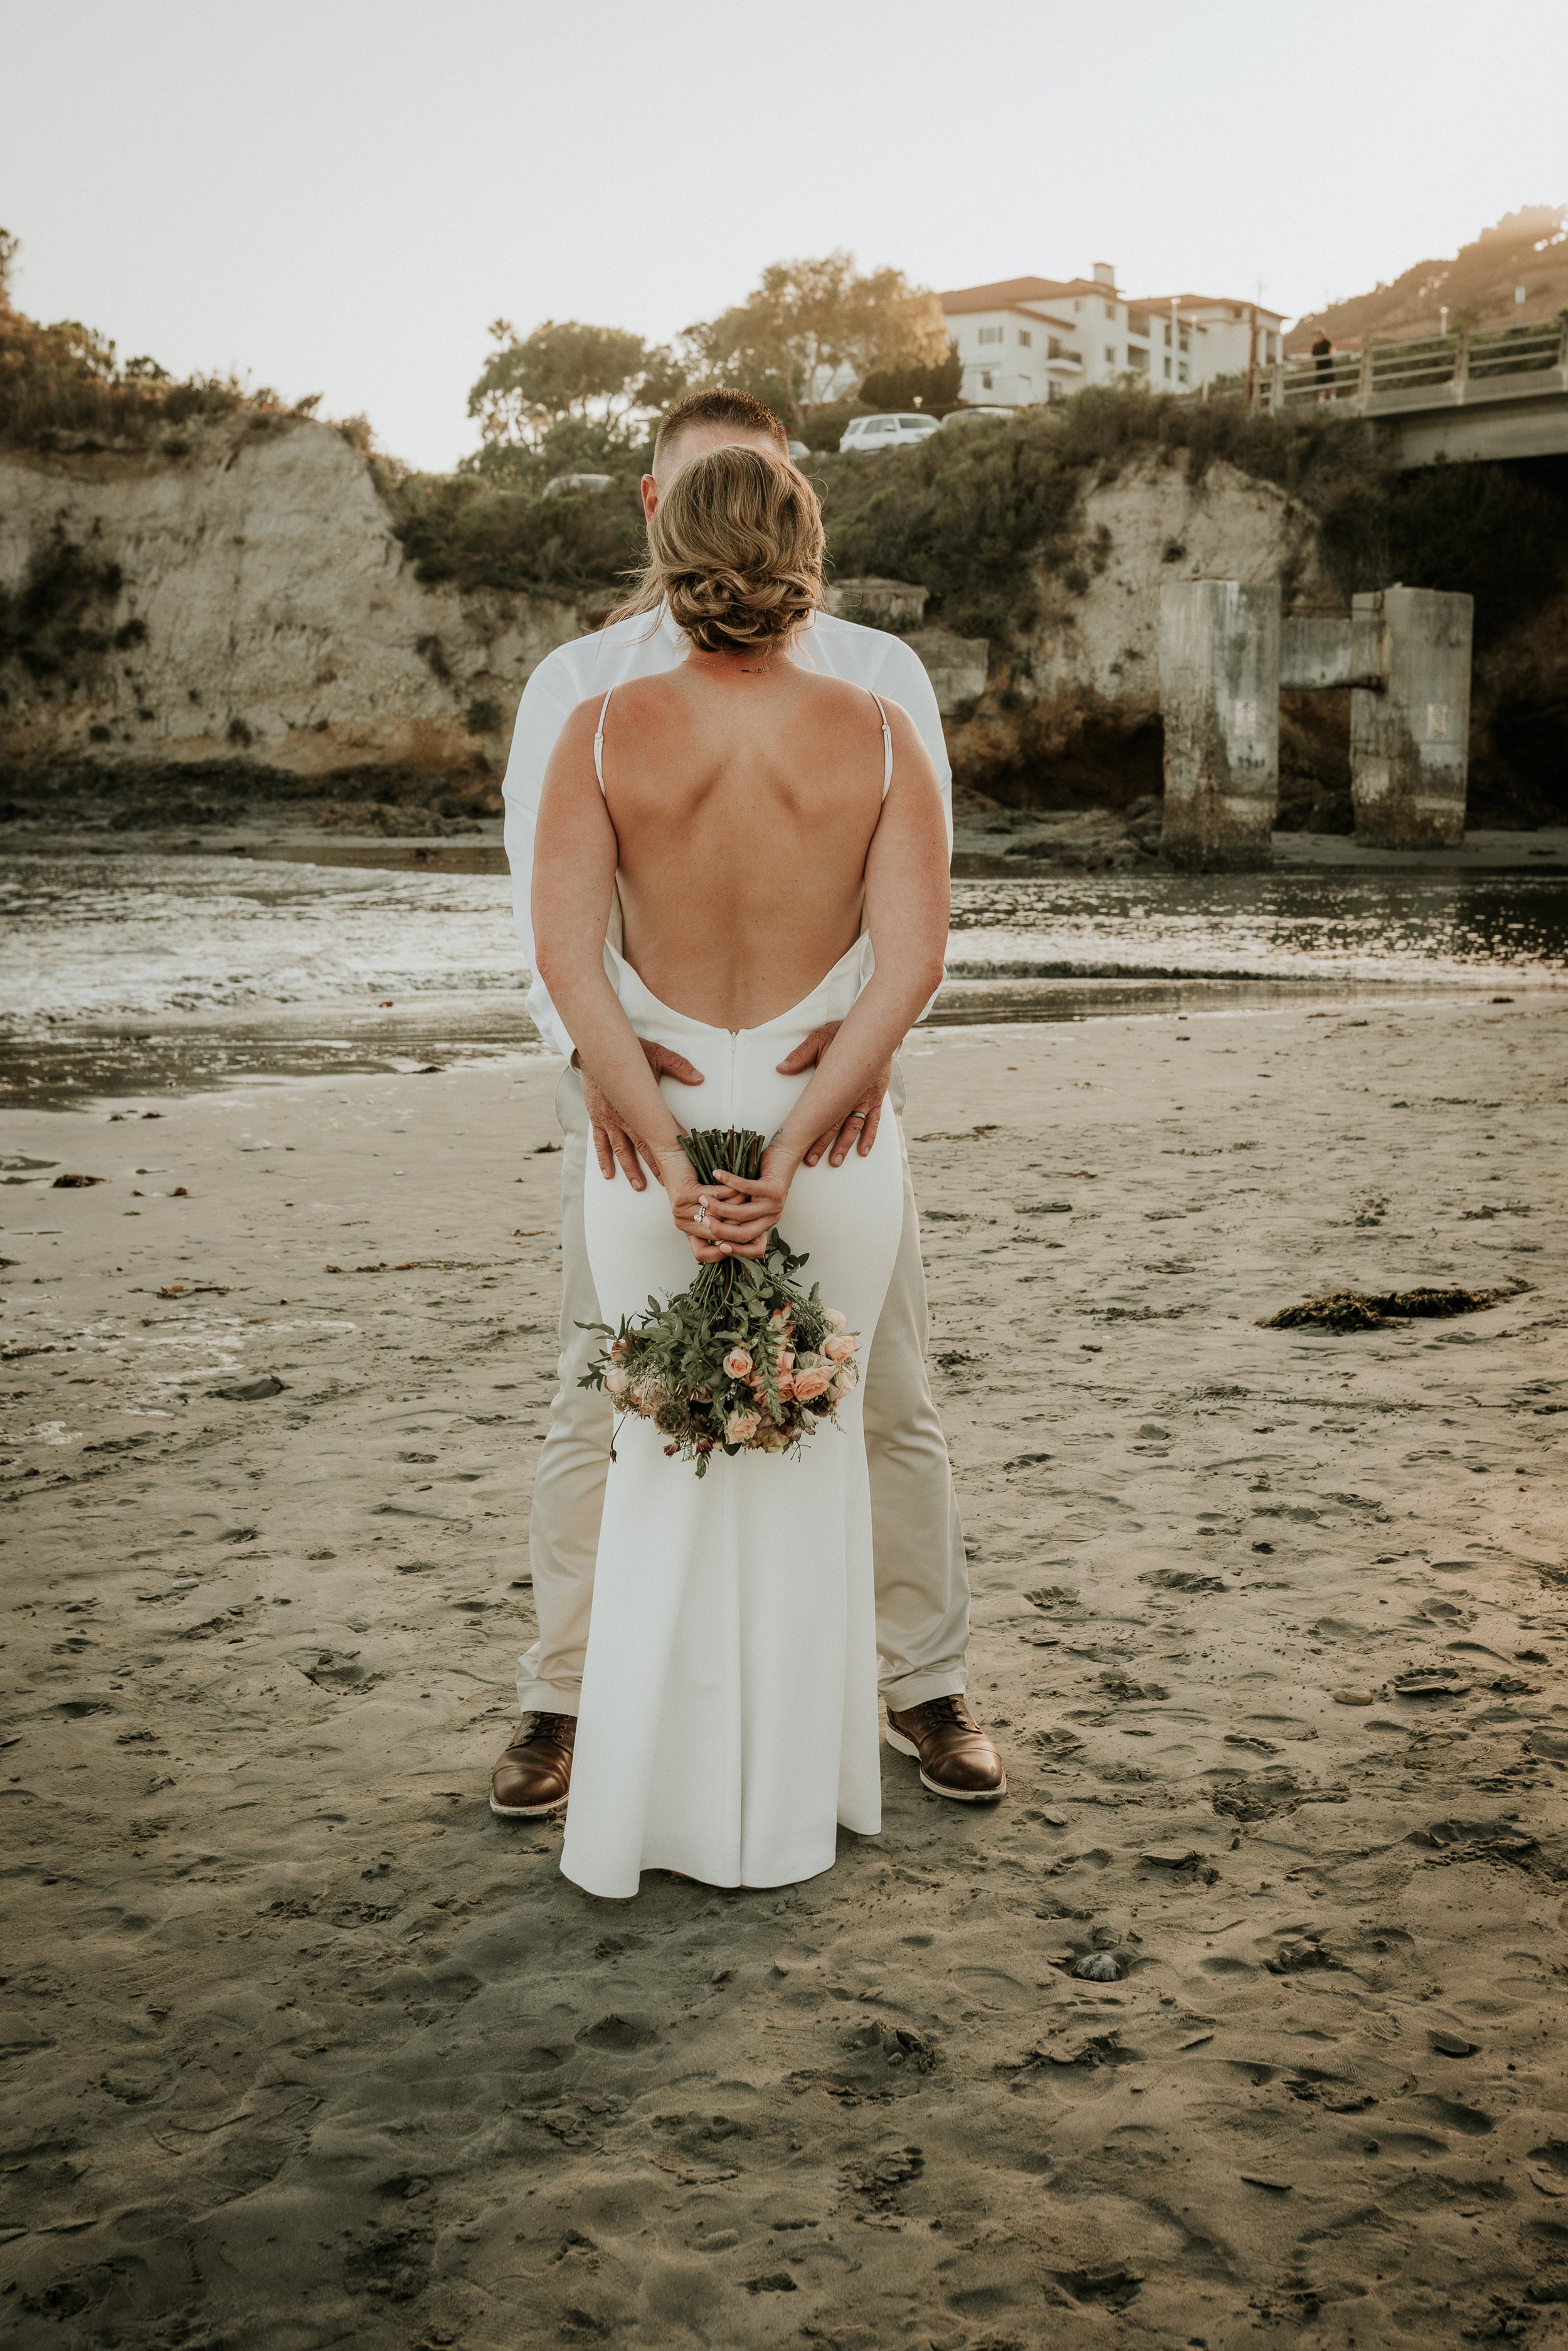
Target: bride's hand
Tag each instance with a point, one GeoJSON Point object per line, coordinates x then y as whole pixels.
{"type": "Point", "coordinates": [696, 1207]}
{"type": "Point", "coordinates": [745, 1211]}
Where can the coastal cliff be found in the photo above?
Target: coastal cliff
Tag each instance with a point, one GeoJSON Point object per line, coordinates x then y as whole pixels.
{"type": "Point", "coordinates": [252, 610]}
{"type": "Point", "coordinates": [232, 616]}
{"type": "Point", "coordinates": [229, 616]}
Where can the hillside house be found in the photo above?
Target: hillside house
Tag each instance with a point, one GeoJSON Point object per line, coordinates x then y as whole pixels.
{"type": "Point", "coordinates": [1028, 339]}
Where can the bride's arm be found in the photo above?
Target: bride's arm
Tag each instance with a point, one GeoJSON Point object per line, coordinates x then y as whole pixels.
{"type": "Point", "coordinates": [574, 881]}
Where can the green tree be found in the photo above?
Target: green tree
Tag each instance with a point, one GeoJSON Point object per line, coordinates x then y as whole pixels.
{"type": "Point", "coordinates": [915, 386]}
{"type": "Point", "coordinates": [564, 368]}
{"type": "Point", "coordinates": [808, 323]}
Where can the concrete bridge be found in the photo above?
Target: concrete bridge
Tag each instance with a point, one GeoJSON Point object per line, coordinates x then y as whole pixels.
{"type": "Point", "coordinates": [1503, 393]}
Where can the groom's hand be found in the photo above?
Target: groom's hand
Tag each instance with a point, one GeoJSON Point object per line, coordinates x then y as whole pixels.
{"type": "Point", "coordinates": [614, 1141]}
{"type": "Point", "coordinates": [857, 1130]}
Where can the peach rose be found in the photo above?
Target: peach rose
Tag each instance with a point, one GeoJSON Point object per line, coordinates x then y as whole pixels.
{"type": "Point", "coordinates": [742, 1427]}
{"type": "Point", "coordinates": [810, 1383]}
{"type": "Point", "coordinates": [786, 1386]}
{"type": "Point", "coordinates": [841, 1347]}
{"type": "Point", "coordinates": [833, 1319]}
{"type": "Point", "coordinates": [617, 1382]}
{"type": "Point", "coordinates": [845, 1379]}
{"type": "Point", "coordinates": [738, 1364]}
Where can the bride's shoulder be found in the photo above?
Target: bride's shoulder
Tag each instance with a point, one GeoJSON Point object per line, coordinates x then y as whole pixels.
{"type": "Point", "coordinates": [835, 701]}
{"type": "Point", "coordinates": [850, 710]}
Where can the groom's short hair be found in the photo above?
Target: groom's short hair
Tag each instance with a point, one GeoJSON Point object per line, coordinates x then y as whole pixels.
{"type": "Point", "coordinates": [735, 412]}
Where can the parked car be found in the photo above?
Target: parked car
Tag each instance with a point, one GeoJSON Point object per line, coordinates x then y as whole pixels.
{"type": "Point", "coordinates": [976, 415]}
{"type": "Point", "coordinates": [865, 436]}
{"type": "Point", "coordinates": [576, 485]}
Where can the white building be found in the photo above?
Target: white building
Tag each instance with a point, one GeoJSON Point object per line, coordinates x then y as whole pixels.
{"type": "Point", "coordinates": [1027, 339]}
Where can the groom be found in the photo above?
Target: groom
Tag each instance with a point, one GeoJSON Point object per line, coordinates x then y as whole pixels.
{"type": "Point", "coordinates": [922, 1579]}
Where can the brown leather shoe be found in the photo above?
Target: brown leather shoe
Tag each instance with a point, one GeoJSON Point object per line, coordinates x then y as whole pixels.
{"type": "Point", "coordinates": [533, 1773]}
{"type": "Point", "coordinates": [955, 1757]}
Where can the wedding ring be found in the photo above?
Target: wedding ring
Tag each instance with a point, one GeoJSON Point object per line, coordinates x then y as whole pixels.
{"type": "Point", "coordinates": [858, 1113]}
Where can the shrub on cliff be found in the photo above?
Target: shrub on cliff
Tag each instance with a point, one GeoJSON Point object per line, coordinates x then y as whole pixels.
{"type": "Point", "coordinates": [56, 617]}
{"type": "Point", "coordinates": [66, 379]}
{"type": "Point", "coordinates": [455, 527]}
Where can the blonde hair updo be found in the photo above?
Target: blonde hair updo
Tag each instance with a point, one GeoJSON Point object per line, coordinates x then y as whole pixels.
{"type": "Point", "coordinates": [736, 547]}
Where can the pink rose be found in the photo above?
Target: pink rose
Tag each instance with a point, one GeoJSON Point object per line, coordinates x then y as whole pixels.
{"type": "Point", "coordinates": [741, 1428]}
{"type": "Point", "coordinates": [845, 1379]}
{"type": "Point", "coordinates": [786, 1386]}
{"type": "Point", "coordinates": [833, 1319]}
{"type": "Point", "coordinates": [841, 1347]}
{"type": "Point", "coordinates": [808, 1385]}
{"type": "Point", "coordinates": [617, 1382]}
{"type": "Point", "coordinates": [738, 1364]}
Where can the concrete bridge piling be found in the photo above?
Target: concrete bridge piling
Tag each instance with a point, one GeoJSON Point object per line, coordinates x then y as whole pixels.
{"type": "Point", "coordinates": [1220, 692]}
{"type": "Point", "coordinates": [1410, 735]}
{"type": "Point", "coordinates": [1225, 653]}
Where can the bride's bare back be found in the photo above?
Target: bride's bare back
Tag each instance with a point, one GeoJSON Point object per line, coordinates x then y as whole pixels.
{"type": "Point", "coordinates": [744, 803]}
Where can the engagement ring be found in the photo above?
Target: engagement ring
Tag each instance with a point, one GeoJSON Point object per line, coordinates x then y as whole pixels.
{"type": "Point", "coordinates": [699, 1213]}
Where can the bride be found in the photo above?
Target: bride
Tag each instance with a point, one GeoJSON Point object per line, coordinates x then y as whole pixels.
{"type": "Point", "coordinates": [728, 856]}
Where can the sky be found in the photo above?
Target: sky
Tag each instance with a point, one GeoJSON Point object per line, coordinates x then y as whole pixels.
{"type": "Point", "coordinates": [335, 196]}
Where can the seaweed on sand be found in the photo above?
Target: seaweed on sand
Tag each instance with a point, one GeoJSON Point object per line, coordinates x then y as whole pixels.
{"type": "Point", "coordinates": [1355, 1309]}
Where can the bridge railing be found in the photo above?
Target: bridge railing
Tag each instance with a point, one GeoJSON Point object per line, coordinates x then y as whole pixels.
{"type": "Point", "coordinates": [1445, 367]}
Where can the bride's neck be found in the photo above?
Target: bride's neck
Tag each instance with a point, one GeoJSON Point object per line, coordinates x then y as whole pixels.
{"type": "Point", "coordinates": [765, 662]}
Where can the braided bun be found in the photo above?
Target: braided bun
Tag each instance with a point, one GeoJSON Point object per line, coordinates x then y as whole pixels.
{"type": "Point", "coordinates": [735, 550]}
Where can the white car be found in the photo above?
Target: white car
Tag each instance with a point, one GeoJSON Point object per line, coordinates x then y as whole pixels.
{"type": "Point", "coordinates": [865, 436]}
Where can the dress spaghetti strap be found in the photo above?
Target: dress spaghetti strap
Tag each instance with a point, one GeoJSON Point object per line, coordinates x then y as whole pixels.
{"type": "Point", "coordinates": [886, 741]}
{"type": "Point", "coordinates": [599, 743]}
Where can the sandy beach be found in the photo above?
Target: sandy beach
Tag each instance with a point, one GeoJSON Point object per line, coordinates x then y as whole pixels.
{"type": "Point", "coordinates": [304, 2047]}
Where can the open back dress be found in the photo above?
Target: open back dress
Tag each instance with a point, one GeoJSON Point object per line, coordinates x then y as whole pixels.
{"type": "Point", "coordinates": [727, 1725]}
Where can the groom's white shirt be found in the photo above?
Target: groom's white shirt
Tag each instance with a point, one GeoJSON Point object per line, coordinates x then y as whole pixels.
{"type": "Point", "coordinates": [643, 646]}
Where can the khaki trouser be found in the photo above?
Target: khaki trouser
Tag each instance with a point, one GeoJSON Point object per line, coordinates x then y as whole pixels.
{"type": "Point", "coordinates": [922, 1576]}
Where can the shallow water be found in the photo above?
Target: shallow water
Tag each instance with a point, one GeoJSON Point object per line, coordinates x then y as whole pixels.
{"type": "Point", "coordinates": [138, 972]}
{"type": "Point", "coordinates": [1345, 926]}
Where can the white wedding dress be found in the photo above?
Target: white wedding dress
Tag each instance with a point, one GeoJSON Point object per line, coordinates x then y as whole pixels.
{"type": "Point", "coordinates": [727, 1724]}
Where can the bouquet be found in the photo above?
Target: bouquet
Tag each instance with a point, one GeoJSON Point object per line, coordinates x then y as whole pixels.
{"type": "Point", "coordinates": [745, 1358]}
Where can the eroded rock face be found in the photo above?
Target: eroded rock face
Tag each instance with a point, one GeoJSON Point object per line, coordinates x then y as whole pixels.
{"type": "Point", "coordinates": [1077, 713]}
{"type": "Point", "coordinates": [230, 615]}
{"type": "Point", "coordinates": [240, 610]}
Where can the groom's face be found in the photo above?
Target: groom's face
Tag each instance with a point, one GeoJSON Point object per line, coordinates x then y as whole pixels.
{"type": "Point", "coordinates": [695, 442]}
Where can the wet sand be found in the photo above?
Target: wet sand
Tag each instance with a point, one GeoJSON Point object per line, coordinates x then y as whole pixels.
{"type": "Point", "coordinates": [304, 2047]}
